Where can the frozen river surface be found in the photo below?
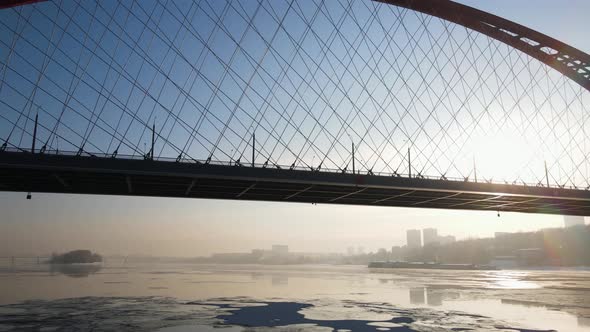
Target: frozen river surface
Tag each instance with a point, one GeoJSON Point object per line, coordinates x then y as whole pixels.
{"type": "Point", "coordinates": [183, 297]}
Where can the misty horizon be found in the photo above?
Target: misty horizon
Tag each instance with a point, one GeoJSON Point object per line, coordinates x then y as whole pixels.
{"type": "Point", "coordinates": [191, 228]}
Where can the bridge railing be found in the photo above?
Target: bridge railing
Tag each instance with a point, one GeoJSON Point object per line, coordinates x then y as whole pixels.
{"type": "Point", "coordinates": [235, 163]}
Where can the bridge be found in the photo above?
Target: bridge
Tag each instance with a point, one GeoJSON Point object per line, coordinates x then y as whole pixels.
{"type": "Point", "coordinates": [429, 104]}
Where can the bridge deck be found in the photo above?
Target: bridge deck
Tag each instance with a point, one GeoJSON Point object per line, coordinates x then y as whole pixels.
{"type": "Point", "coordinates": [20, 171]}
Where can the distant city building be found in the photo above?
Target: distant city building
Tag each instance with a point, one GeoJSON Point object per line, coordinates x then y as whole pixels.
{"type": "Point", "coordinates": [430, 236]}
{"type": "Point", "coordinates": [500, 234]}
{"type": "Point", "coordinates": [414, 238]}
{"type": "Point", "coordinates": [446, 239]}
{"type": "Point", "coordinates": [280, 249]}
{"type": "Point", "coordinates": [570, 221]}
{"type": "Point", "coordinates": [360, 250]}
{"type": "Point", "coordinates": [530, 256]}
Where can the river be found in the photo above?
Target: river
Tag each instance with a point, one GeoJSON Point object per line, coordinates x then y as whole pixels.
{"type": "Point", "coordinates": [188, 297]}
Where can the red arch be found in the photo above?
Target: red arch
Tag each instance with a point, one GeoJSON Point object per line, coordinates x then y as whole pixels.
{"type": "Point", "coordinates": [14, 3]}
{"type": "Point", "coordinates": [564, 58]}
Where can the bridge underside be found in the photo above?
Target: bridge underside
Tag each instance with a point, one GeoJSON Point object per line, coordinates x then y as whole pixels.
{"type": "Point", "coordinates": [24, 172]}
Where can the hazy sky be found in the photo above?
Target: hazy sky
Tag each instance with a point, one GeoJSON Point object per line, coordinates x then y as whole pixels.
{"type": "Point", "coordinates": [188, 227]}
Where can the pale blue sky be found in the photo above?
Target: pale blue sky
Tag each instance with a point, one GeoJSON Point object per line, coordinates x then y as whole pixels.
{"type": "Point", "coordinates": [188, 227]}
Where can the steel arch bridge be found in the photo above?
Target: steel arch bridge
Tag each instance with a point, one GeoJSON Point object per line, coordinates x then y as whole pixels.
{"type": "Point", "coordinates": [405, 103]}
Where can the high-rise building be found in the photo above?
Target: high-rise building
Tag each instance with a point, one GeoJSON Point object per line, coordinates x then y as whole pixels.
{"type": "Point", "coordinates": [570, 221]}
{"type": "Point", "coordinates": [414, 240]}
{"type": "Point", "coordinates": [430, 236]}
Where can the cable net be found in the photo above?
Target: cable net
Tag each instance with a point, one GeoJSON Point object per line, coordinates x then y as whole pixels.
{"type": "Point", "coordinates": [303, 81]}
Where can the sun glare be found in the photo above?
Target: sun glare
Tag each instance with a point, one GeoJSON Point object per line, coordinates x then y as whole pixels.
{"type": "Point", "coordinates": [502, 156]}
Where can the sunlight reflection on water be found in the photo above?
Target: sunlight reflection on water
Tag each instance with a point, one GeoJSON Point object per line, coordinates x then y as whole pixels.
{"type": "Point", "coordinates": [511, 280]}
{"type": "Point", "coordinates": [531, 299]}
